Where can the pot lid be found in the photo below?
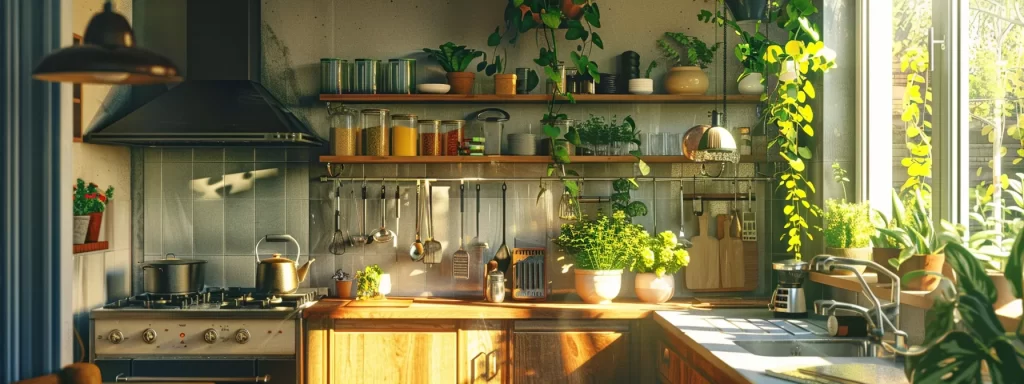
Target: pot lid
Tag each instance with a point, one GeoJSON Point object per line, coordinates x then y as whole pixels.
{"type": "Point", "coordinates": [790, 265]}
{"type": "Point", "coordinates": [277, 259]}
{"type": "Point", "coordinates": [174, 261]}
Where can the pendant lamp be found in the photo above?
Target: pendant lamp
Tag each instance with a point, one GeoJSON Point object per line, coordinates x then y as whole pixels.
{"type": "Point", "coordinates": [108, 55]}
{"type": "Point", "coordinates": [717, 143]}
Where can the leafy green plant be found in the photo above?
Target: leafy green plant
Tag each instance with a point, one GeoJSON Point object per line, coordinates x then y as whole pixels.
{"type": "Point", "coordinates": [879, 239]}
{"type": "Point", "coordinates": [650, 68]}
{"type": "Point", "coordinates": [341, 275]}
{"type": "Point", "coordinates": [664, 254]}
{"type": "Point", "coordinates": [916, 108]}
{"type": "Point", "coordinates": [915, 232]}
{"type": "Point", "coordinates": [622, 201]}
{"type": "Point", "coordinates": [847, 225]}
{"type": "Point", "coordinates": [751, 48]}
{"type": "Point", "coordinates": [963, 335]}
{"type": "Point", "coordinates": [368, 283]}
{"type": "Point", "coordinates": [601, 130]}
{"type": "Point", "coordinates": [697, 52]}
{"type": "Point", "coordinates": [453, 58]}
{"type": "Point", "coordinates": [606, 243]}
{"type": "Point", "coordinates": [88, 198]}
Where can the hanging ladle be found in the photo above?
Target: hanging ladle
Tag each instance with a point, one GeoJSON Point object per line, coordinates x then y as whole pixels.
{"type": "Point", "coordinates": [383, 235]}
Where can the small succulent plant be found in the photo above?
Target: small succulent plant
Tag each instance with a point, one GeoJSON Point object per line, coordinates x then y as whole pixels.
{"type": "Point", "coordinates": [341, 275]}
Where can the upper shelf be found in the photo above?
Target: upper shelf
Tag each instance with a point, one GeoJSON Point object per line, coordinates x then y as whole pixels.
{"type": "Point", "coordinates": [538, 99]}
{"type": "Point", "coordinates": [503, 159]}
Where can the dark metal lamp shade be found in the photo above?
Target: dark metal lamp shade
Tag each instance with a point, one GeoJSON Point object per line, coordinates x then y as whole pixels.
{"type": "Point", "coordinates": [108, 55]}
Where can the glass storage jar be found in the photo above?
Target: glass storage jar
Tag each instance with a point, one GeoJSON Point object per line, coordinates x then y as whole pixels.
{"type": "Point", "coordinates": [375, 131]}
{"type": "Point", "coordinates": [430, 138]}
{"type": "Point", "coordinates": [344, 132]}
{"type": "Point", "coordinates": [563, 128]}
{"type": "Point", "coordinates": [453, 131]}
{"type": "Point", "coordinates": [404, 138]}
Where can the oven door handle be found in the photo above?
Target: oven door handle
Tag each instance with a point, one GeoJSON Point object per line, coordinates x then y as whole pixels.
{"type": "Point", "coordinates": [149, 379]}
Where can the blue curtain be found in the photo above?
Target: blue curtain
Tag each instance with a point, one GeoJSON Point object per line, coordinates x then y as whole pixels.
{"type": "Point", "coordinates": [30, 194]}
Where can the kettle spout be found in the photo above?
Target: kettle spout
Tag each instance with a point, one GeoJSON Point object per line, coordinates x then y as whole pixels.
{"type": "Point", "coordinates": [304, 270]}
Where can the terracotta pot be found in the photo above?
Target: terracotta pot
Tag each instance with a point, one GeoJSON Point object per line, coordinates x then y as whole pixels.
{"type": "Point", "coordinates": [931, 263]}
{"type": "Point", "coordinates": [343, 288]}
{"type": "Point", "coordinates": [690, 80]}
{"type": "Point", "coordinates": [80, 229]}
{"type": "Point", "coordinates": [653, 289]}
{"type": "Point", "coordinates": [95, 220]}
{"type": "Point", "coordinates": [569, 9]}
{"type": "Point", "coordinates": [850, 253]}
{"type": "Point", "coordinates": [598, 287]}
{"type": "Point", "coordinates": [461, 82]}
{"type": "Point", "coordinates": [1004, 292]}
{"type": "Point", "coordinates": [505, 84]}
{"type": "Point", "coordinates": [751, 84]}
{"type": "Point", "coordinates": [882, 256]}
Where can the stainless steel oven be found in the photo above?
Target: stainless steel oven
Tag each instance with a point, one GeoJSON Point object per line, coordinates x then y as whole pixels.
{"type": "Point", "coordinates": [217, 370]}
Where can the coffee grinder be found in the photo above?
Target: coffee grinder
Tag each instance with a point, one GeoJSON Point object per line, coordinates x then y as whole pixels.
{"type": "Point", "coordinates": [788, 298]}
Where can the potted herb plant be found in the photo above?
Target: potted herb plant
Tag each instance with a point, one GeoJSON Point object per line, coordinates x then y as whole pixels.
{"type": "Point", "coordinates": [687, 75]}
{"type": "Point", "coordinates": [848, 228]}
{"type": "Point", "coordinates": [504, 83]}
{"type": "Point", "coordinates": [921, 244]}
{"type": "Point", "coordinates": [343, 283]}
{"type": "Point", "coordinates": [655, 267]}
{"type": "Point", "coordinates": [455, 60]}
{"type": "Point", "coordinates": [645, 85]}
{"type": "Point", "coordinates": [88, 206]}
{"type": "Point", "coordinates": [601, 248]}
{"type": "Point", "coordinates": [368, 283]}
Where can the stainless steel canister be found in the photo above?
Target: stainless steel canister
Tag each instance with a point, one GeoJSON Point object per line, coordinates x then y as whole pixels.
{"type": "Point", "coordinates": [495, 287]}
{"type": "Point", "coordinates": [330, 76]}
{"type": "Point", "coordinates": [367, 75]}
{"type": "Point", "coordinates": [523, 86]}
{"type": "Point", "coordinates": [400, 76]}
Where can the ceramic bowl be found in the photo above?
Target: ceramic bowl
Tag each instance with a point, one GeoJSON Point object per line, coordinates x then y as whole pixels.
{"type": "Point", "coordinates": [433, 88]}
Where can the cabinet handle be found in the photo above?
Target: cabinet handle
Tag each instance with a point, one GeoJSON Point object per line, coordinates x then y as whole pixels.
{"type": "Point", "coordinates": [664, 355]}
{"type": "Point", "coordinates": [492, 364]}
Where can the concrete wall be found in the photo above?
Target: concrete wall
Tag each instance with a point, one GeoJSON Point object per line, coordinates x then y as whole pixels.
{"type": "Point", "coordinates": [99, 276]}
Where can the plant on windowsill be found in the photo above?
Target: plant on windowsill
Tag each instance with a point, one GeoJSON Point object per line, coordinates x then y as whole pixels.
{"type": "Point", "coordinates": [686, 77]}
{"type": "Point", "coordinates": [921, 244]}
{"type": "Point", "coordinates": [368, 283]}
{"type": "Point", "coordinates": [848, 228]}
{"type": "Point", "coordinates": [455, 60]}
{"type": "Point", "coordinates": [656, 266]}
{"type": "Point", "coordinates": [88, 205]}
{"type": "Point", "coordinates": [342, 283]}
{"type": "Point", "coordinates": [600, 249]}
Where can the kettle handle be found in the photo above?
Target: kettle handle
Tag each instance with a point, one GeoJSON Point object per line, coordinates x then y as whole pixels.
{"type": "Point", "coordinates": [476, 115]}
{"type": "Point", "coordinates": [278, 239]}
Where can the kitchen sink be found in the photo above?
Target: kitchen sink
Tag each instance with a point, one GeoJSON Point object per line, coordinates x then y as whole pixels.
{"type": "Point", "coordinates": [821, 348]}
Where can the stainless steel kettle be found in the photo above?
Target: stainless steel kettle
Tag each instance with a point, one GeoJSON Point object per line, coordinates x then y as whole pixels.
{"type": "Point", "coordinates": [279, 274]}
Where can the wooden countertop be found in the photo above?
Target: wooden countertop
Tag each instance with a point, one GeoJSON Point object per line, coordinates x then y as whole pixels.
{"type": "Point", "coordinates": [437, 308]}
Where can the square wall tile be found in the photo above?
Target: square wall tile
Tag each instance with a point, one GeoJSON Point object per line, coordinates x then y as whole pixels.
{"type": "Point", "coordinates": [239, 271]}
{"type": "Point", "coordinates": [208, 155]}
{"type": "Point", "coordinates": [239, 226]}
{"type": "Point", "coordinates": [270, 180]}
{"type": "Point", "coordinates": [208, 231]}
{"type": "Point", "coordinates": [152, 184]}
{"type": "Point", "coordinates": [153, 223]}
{"type": "Point", "coordinates": [270, 220]}
{"type": "Point", "coordinates": [297, 181]}
{"type": "Point", "coordinates": [177, 155]}
{"type": "Point", "coordinates": [177, 227]}
{"type": "Point", "coordinates": [153, 155]}
{"type": "Point", "coordinates": [176, 180]}
{"type": "Point", "coordinates": [297, 224]}
{"type": "Point", "coordinates": [214, 270]}
{"type": "Point", "coordinates": [239, 181]}
{"type": "Point", "coordinates": [239, 155]}
{"type": "Point", "coordinates": [271, 154]}
{"type": "Point", "coordinates": [207, 181]}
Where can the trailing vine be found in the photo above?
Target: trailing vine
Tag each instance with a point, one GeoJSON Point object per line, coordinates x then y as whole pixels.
{"type": "Point", "coordinates": [916, 109]}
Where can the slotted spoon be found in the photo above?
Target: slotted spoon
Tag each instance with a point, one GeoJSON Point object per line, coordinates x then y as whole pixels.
{"type": "Point", "coordinates": [476, 243]}
{"type": "Point", "coordinates": [503, 256]}
{"type": "Point", "coordinates": [431, 247]}
{"type": "Point", "coordinates": [460, 259]}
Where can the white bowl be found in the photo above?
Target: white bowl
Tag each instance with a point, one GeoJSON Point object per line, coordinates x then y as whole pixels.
{"type": "Point", "coordinates": [433, 88]}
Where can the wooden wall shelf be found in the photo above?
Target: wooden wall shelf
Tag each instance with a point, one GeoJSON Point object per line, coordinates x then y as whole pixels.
{"type": "Point", "coordinates": [504, 159]}
{"type": "Point", "coordinates": [90, 247]}
{"type": "Point", "coordinates": [537, 99]}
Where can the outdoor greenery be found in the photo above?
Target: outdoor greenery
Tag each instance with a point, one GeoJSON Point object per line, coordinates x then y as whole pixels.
{"type": "Point", "coordinates": [605, 243]}
{"type": "Point", "coordinates": [368, 283]}
{"type": "Point", "coordinates": [453, 58]}
{"type": "Point", "coordinates": [664, 254]}
{"type": "Point", "coordinates": [88, 198]}
{"type": "Point", "coordinates": [698, 53]}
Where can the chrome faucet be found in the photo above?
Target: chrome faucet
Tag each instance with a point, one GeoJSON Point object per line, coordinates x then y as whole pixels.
{"type": "Point", "coordinates": [880, 317]}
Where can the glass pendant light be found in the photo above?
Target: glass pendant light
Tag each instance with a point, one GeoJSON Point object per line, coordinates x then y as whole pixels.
{"type": "Point", "coordinates": [108, 55]}
{"type": "Point", "coordinates": [717, 143]}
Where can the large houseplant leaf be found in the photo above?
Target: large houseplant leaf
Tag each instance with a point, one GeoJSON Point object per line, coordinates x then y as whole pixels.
{"type": "Point", "coordinates": [955, 359]}
{"type": "Point", "coordinates": [970, 274]}
{"type": "Point", "coordinates": [1015, 266]}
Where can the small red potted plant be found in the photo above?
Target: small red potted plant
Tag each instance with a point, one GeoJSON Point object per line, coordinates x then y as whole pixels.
{"type": "Point", "coordinates": [89, 204]}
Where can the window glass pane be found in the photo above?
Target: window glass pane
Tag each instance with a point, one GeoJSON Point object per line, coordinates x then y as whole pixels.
{"type": "Point", "coordinates": [996, 87]}
{"type": "Point", "coordinates": [912, 99]}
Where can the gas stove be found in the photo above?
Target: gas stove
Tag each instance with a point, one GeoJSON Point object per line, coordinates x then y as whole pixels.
{"type": "Point", "coordinates": [219, 298]}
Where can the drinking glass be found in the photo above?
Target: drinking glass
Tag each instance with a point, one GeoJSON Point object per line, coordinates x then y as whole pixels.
{"type": "Point", "coordinates": [655, 144]}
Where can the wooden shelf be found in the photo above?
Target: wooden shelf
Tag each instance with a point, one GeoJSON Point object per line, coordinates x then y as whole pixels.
{"type": "Point", "coordinates": [537, 99]}
{"type": "Point", "coordinates": [90, 247]}
{"type": "Point", "coordinates": [504, 159]}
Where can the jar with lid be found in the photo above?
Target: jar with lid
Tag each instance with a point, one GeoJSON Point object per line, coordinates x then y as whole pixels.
{"type": "Point", "coordinates": [404, 136]}
{"type": "Point", "coordinates": [563, 128]}
{"type": "Point", "coordinates": [452, 133]}
{"type": "Point", "coordinates": [745, 142]}
{"type": "Point", "coordinates": [375, 131]}
{"type": "Point", "coordinates": [344, 131]}
{"type": "Point", "coordinates": [572, 80]}
{"type": "Point", "coordinates": [430, 138]}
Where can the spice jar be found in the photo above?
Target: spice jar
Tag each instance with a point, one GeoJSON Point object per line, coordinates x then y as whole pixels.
{"type": "Point", "coordinates": [745, 143]}
{"type": "Point", "coordinates": [404, 138]}
{"type": "Point", "coordinates": [452, 136]}
{"type": "Point", "coordinates": [344, 139]}
{"type": "Point", "coordinates": [375, 131]}
{"type": "Point", "coordinates": [430, 138]}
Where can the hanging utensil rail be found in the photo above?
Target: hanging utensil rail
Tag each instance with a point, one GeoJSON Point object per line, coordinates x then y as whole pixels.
{"type": "Point", "coordinates": [326, 179]}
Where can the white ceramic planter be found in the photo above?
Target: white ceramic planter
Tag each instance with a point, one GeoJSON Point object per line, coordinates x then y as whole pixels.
{"type": "Point", "coordinates": [598, 287]}
{"type": "Point", "coordinates": [751, 84]}
{"type": "Point", "coordinates": [80, 229]}
{"type": "Point", "coordinates": [653, 289]}
{"type": "Point", "coordinates": [641, 86]}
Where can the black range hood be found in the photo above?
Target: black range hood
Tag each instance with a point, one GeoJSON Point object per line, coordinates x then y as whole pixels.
{"type": "Point", "coordinates": [221, 103]}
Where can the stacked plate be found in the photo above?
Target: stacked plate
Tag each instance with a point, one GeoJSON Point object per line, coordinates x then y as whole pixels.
{"type": "Point", "coordinates": [522, 144]}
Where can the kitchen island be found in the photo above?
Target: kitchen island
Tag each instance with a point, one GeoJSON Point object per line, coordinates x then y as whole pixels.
{"type": "Point", "coordinates": [445, 340]}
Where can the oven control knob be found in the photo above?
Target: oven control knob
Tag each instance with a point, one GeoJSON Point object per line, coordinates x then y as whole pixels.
{"type": "Point", "coordinates": [242, 336]}
{"type": "Point", "coordinates": [115, 337]}
{"type": "Point", "coordinates": [210, 336]}
{"type": "Point", "coordinates": [149, 336]}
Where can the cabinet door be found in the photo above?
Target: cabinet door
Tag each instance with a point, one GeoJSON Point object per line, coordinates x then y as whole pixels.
{"type": "Point", "coordinates": [483, 352]}
{"type": "Point", "coordinates": [571, 357]}
{"type": "Point", "coordinates": [669, 366]}
{"type": "Point", "coordinates": [394, 357]}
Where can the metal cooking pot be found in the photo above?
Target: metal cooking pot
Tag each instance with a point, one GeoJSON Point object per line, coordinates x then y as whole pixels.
{"type": "Point", "coordinates": [173, 275]}
{"type": "Point", "coordinates": [279, 274]}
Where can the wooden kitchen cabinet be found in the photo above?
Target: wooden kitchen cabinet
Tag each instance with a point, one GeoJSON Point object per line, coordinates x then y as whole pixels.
{"type": "Point", "coordinates": [572, 352]}
{"type": "Point", "coordinates": [672, 369]}
{"type": "Point", "coordinates": [391, 352]}
{"type": "Point", "coordinates": [483, 352]}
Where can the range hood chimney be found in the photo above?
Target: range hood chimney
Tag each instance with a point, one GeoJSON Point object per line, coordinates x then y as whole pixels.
{"type": "Point", "coordinates": [221, 103]}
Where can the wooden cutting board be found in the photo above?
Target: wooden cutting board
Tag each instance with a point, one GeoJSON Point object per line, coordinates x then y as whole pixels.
{"type": "Point", "coordinates": [731, 256]}
{"type": "Point", "coordinates": [393, 303]}
{"type": "Point", "coordinates": [723, 222]}
{"type": "Point", "coordinates": [702, 273]}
